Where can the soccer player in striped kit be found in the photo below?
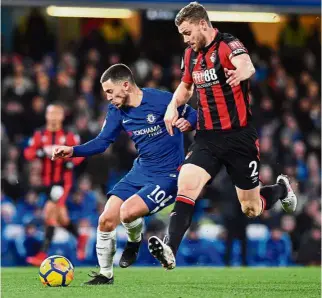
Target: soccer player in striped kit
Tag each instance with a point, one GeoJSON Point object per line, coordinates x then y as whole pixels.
{"type": "Point", "coordinates": [57, 178]}
{"type": "Point", "coordinates": [218, 65]}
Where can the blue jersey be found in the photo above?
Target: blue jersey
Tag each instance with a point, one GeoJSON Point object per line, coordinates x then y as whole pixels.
{"type": "Point", "coordinates": [159, 153]}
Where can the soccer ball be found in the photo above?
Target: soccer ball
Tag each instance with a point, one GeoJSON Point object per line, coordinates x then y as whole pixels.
{"type": "Point", "coordinates": [56, 271]}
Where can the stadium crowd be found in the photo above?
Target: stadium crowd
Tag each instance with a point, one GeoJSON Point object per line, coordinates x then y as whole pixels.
{"type": "Point", "coordinates": [286, 105]}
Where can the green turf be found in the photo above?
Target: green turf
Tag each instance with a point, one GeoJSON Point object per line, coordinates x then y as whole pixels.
{"type": "Point", "coordinates": [181, 282]}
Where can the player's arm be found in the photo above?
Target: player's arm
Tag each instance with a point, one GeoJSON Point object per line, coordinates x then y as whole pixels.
{"type": "Point", "coordinates": [182, 94]}
{"type": "Point", "coordinates": [34, 149]}
{"type": "Point", "coordinates": [244, 70]}
{"type": "Point", "coordinates": [72, 140]}
{"type": "Point", "coordinates": [188, 118]}
{"type": "Point", "coordinates": [68, 183]}
{"type": "Point", "coordinates": [111, 129]}
{"type": "Point", "coordinates": [236, 55]}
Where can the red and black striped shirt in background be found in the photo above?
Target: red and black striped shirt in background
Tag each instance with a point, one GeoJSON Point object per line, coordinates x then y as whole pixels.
{"type": "Point", "coordinates": [220, 106]}
{"type": "Point", "coordinates": [60, 171]}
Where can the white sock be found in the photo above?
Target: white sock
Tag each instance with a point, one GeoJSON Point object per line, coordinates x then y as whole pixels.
{"type": "Point", "coordinates": [105, 251]}
{"type": "Point", "coordinates": [134, 230]}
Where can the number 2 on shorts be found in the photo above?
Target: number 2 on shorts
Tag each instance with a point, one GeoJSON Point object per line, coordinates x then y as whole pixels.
{"type": "Point", "coordinates": [253, 166]}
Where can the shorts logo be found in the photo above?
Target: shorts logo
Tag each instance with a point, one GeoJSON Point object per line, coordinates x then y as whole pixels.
{"type": "Point", "coordinates": [151, 118]}
{"type": "Point", "coordinates": [188, 155]}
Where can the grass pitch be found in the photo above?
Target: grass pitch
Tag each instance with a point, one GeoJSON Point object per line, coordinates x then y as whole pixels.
{"type": "Point", "coordinates": [180, 283]}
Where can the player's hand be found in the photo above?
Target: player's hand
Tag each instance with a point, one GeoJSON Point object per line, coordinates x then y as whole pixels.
{"type": "Point", "coordinates": [170, 118]}
{"type": "Point", "coordinates": [62, 152]}
{"type": "Point", "coordinates": [233, 76]}
{"type": "Point", "coordinates": [183, 125]}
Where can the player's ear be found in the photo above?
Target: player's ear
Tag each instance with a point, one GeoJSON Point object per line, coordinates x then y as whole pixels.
{"type": "Point", "coordinates": [126, 85]}
{"type": "Point", "coordinates": [203, 24]}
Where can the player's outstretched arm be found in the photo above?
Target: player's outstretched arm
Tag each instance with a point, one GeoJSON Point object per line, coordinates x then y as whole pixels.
{"type": "Point", "coordinates": [181, 96]}
{"type": "Point", "coordinates": [110, 130]}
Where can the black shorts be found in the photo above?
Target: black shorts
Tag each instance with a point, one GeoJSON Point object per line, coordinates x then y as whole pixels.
{"type": "Point", "coordinates": [237, 150]}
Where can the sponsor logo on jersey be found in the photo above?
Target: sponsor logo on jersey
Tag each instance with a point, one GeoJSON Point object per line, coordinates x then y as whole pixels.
{"type": "Point", "coordinates": [151, 131]}
{"type": "Point", "coordinates": [236, 44]}
{"type": "Point", "coordinates": [205, 78]}
{"type": "Point", "coordinates": [151, 118]}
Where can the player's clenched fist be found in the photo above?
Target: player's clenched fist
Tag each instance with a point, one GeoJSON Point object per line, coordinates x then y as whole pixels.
{"type": "Point", "coordinates": [170, 118]}
{"type": "Point", "coordinates": [183, 125]}
{"type": "Point", "coordinates": [62, 152]}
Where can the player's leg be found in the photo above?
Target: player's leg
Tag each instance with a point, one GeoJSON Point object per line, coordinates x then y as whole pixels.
{"type": "Point", "coordinates": [106, 241]}
{"type": "Point", "coordinates": [158, 193]}
{"type": "Point", "coordinates": [199, 167]}
{"type": "Point", "coordinates": [51, 221]}
{"type": "Point", "coordinates": [64, 221]}
{"type": "Point", "coordinates": [132, 212]}
{"type": "Point", "coordinates": [243, 163]}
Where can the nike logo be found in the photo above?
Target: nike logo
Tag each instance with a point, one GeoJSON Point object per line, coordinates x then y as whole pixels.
{"type": "Point", "coordinates": [125, 121]}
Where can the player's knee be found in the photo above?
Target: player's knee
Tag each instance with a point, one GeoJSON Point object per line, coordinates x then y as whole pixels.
{"type": "Point", "coordinates": [127, 215]}
{"type": "Point", "coordinates": [106, 224]}
{"type": "Point", "coordinates": [189, 186]}
{"type": "Point", "coordinates": [250, 208]}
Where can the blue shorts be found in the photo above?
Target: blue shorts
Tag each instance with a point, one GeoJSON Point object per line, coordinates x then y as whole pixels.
{"type": "Point", "coordinates": [157, 192]}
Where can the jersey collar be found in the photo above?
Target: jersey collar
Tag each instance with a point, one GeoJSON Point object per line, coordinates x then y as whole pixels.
{"type": "Point", "coordinates": [216, 39]}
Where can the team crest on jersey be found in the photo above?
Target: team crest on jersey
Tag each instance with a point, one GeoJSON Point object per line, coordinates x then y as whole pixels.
{"type": "Point", "coordinates": [213, 57]}
{"type": "Point", "coordinates": [44, 139]}
{"type": "Point", "coordinates": [151, 118]}
{"type": "Point", "coordinates": [62, 140]}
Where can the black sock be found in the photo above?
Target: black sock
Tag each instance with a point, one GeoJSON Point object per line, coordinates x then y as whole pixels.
{"type": "Point", "coordinates": [49, 234]}
{"type": "Point", "coordinates": [271, 194]}
{"type": "Point", "coordinates": [72, 228]}
{"type": "Point", "coordinates": [180, 220]}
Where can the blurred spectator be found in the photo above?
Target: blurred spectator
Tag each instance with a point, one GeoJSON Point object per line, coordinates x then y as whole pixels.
{"type": "Point", "coordinates": [310, 248]}
{"type": "Point", "coordinates": [292, 41]}
{"type": "Point", "coordinates": [35, 115]}
{"type": "Point", "coordinates": [10, 181]}
{"type": "Point", "coordinates": [278, 249]}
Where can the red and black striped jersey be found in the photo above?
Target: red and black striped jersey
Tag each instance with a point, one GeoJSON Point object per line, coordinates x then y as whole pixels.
{"type": "Point", "coordinates": [220, 106]}
{"type": "Point", "coordinates": [58, 171]}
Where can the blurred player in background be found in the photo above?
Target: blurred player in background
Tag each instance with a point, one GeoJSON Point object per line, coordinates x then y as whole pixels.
{"type": "Point", "coordinates": [57, 178]}
{"type": "Point", "coordinates": [218, 66]}
{"type": "Point", "coordinates": [151, 184]}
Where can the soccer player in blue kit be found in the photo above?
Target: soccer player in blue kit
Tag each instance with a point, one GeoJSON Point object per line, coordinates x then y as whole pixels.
{"type": "Point", "coordinates": [151, 184]}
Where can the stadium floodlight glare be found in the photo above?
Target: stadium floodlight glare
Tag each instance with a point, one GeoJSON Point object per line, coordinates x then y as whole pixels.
{"type": "Point", "coordinates": [88, 12]}
{"type": "Point", "coordinates": [249, 17]}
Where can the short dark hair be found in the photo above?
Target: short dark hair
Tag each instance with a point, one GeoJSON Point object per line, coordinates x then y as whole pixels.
{"type": "Point", "coordinates": [118, 72]}
{"type": "Point", "coordinates": [193, 12]}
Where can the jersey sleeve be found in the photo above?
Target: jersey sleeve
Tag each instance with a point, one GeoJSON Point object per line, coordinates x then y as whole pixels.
{"type": "Point", "coordinates": [189, 114]}
{"type": "Point", "coordinates": [73, 140]}
{"type": "Point", "coordinates": [110, 130]}
{"type": "Point", "coordinates": [185, 67]}
{"type": "Point", "coordinates": [233, 47]}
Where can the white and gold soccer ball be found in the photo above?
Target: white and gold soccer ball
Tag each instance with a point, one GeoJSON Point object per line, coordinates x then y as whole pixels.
{"type": "Point", "coordinates": [56, 271]}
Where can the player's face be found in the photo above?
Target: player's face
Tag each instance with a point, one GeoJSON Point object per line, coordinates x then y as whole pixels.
{"type": "Point", "coordinates": [193, 34]}
{"type": "Point", "coordinates": [55, 115]}
{"type": "Point", "coordinates": [116, 92]}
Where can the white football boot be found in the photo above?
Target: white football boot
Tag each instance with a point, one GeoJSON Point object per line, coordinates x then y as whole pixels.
{"type": "Point", "coordinates": [290, 201]}
{"type": "Point", "coordinates": [162, 252]}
